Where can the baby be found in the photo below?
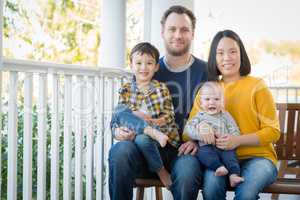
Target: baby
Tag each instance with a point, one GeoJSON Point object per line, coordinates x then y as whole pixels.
{"type": "Point", "coordinates": [217, 122]}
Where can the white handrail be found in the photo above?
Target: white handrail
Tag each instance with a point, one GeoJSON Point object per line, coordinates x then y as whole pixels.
{"type": "Point", "coordinates": [44, 67]}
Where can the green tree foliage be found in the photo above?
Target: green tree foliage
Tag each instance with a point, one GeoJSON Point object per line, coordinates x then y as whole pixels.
{"type": "Point", "coordinates": [54, 31]}
{"type": "Point", "coordinates": [283, 48]}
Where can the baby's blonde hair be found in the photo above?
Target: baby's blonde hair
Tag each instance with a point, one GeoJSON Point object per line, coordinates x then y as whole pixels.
{"type": "Point", "coordinates": [215, 87]}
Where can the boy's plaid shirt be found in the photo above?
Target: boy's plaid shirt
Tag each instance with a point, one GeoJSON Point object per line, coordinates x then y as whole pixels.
{"type": "Point", "coordinates": [159, 104]}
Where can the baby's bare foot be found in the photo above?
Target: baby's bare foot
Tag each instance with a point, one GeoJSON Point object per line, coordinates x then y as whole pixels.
{"type": "Point", "coordinates": [221, 171]}
{"type": "Point", "coordinates": [235, 180]}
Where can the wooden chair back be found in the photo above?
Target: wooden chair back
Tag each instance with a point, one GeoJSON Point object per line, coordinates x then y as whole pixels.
{"type": "Point", "coordinates": [288, 146]}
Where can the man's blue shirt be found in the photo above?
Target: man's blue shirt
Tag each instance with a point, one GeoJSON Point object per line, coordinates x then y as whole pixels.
{"type": "Point", "coordinates": [183, 87]}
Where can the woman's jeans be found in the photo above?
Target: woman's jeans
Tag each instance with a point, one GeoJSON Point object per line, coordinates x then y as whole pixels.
{"type": "Point", "coordinates": [257, 172]}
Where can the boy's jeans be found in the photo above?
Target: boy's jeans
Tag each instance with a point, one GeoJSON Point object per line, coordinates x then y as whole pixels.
{"type": "Point", "coordinates": [123, 116]}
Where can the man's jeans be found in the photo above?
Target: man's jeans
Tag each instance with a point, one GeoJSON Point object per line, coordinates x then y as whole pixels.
{"type": "Point", "coordinates": [126, 163]}
{"type": "Point", "coordinates": [257, 172]}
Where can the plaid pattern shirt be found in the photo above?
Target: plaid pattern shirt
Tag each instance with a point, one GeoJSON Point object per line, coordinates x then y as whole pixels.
{"type": "Point", "coordinates": [159, 104]}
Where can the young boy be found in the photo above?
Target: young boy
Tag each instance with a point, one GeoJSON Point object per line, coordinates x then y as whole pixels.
{"type": "Point", "coordinates": [145, 106]}
{"type": "Point", "coordinates": [213, 121]}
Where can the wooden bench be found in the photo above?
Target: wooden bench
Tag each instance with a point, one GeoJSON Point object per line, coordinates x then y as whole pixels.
{"type": "Point", "coordinates": [287, 148]}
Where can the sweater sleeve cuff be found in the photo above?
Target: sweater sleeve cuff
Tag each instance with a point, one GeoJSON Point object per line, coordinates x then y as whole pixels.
{"type": "Point", "coordinates": [268, 135]}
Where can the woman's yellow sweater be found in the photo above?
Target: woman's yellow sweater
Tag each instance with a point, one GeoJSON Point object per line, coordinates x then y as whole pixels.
{"type": "Point", "coordinates": [251, 104]}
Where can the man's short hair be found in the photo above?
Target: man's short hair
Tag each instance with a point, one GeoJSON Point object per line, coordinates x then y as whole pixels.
{"type": "Point", "coordinates": [179, 10]}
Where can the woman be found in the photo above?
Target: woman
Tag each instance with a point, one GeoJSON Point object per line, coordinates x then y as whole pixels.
{"type": "Point", "coordinates": [250, 103]}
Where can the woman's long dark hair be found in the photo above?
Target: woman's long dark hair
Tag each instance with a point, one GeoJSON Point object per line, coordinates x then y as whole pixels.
{"type": "Point", "coordinates": [213, 71]}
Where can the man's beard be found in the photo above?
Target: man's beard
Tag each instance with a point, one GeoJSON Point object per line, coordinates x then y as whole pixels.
{"type": "Point", "coordinates": [175, 52]}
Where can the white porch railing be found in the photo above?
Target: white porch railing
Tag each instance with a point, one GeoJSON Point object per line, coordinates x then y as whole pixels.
{"type": "Point", "coordinates": [76, 102]}
{"type": "Point", "coordinates": [286, 94]}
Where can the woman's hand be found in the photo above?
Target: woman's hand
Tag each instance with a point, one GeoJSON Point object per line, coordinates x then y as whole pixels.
{"type": "Point", "coordinates": [123, 133]}
{"type": "Point", "coordinates": [228, 142]}
{"type": "Point", "coordinates": [207, 134]}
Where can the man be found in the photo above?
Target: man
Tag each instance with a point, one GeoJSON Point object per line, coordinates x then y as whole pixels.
{"type": "Point", "coordinates": [183, 74]}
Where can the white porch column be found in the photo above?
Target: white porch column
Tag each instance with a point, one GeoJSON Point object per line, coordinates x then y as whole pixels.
{"type": "Point", "coordinates": [113, 34]}
{"type": "Point", "coordinates": [157, 8]}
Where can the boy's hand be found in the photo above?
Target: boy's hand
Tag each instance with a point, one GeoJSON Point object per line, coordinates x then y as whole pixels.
{"type": "Point", "coordinates": [123, 133]}
{"type": "Point", "coordinates": [207, 133]}
{"type": "Point", "coordinates": [158, 122]}
{"type": "Point", "coordinates": [142, 115]}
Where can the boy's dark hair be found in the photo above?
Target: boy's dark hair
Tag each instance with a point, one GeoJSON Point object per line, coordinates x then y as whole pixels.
{"type": "Point", "coordinates": [179, 10]}
{"type": "Point", "coordinates": [213, 71]}
{"type": "Point", "coordinates": [145, 48]}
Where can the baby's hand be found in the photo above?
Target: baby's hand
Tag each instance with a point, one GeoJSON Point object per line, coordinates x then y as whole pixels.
{"type": "Point", "coordinates": [217, 134]}
{"type": "Point", "coordinates": [206, 132]}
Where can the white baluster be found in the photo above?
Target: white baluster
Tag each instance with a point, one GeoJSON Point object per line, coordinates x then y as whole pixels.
{"type": "Point", "coordinates": [42, 137]}
{"type": "Point", "coordinates": [99, 158]}
{"type": "Point", "coordinates": [67, 137]}
{"type": "Point", "coordinates": [27, 151]}
{"type": "Point", "coordinates": [55, 140]}
{"type": "Point", "coordinates": [90, 99]}
{"type": "Point", "coordinates": [78, 137]}
{"type": "Point", "coordinates": [12, 137]}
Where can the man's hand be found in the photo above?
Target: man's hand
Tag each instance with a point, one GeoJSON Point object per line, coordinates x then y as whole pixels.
{"type": "Point", "coordinates": [123, 133]}
{"type": "Point", "coordinates": [189, 147]}
{"type": "Point", "coordinates": [207, 133]}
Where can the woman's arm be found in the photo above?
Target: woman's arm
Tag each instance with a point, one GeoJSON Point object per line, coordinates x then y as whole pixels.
{"type": "Point", "coordinates": [229, 142]}
{"type": "Point", "coordinates": [265, 112]}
